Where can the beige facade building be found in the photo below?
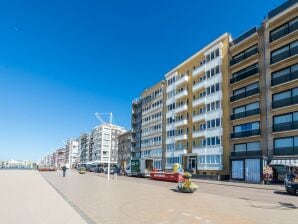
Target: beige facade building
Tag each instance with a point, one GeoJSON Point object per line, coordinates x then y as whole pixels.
{"type": "Point", "coordinates": [152, 124]}
{"type": "Point", "coordinates": [196, 112]}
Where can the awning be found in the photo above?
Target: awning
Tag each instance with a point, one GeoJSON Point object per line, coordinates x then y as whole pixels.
{"type": "Point", "coordinates": [285, 162]}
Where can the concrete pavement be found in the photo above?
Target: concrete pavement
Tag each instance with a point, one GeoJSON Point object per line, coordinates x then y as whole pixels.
{"type": "Point", "coordinates": [136, 200]}
{"type": "Point", "coordinates": [26, 198]}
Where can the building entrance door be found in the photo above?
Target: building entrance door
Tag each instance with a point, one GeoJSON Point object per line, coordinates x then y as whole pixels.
{"type": "Point", "coordinates": [192, 163]}
{"type": "Point", "coordinates": [252, 170]}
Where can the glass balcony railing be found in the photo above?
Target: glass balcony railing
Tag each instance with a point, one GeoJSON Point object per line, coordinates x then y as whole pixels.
{"type": "Point", "coordinates": [244, 75]}
{"type": "Point", "coordinates": [285, 151]}
{"type": "Point", "coordinates": [284, 55]}
{"type": "Point", "coordinates": [285, 102]}
{"type": "Point", "coordinates": [244, 56]}
{"type": "Point", "coordinates": [244, 94]}
{"type": "Point", "coordinates": [247, 133]}
{"type": "Point", "coordinates": [245, 114]}
{"type": "Point", "coordinates": [287, 126]}
{"type": "Point", "coordinates": [285, 78]}
{"type": "Point", "coordinates": [283, 32]}
{"type": "Point", "coordinates": [246, 153]}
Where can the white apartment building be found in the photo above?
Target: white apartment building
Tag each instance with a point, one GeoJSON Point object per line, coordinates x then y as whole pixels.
{"type": "Point", "coordinates": [71, 153]}
{"type": "Point", "coordinates": [105, 140]}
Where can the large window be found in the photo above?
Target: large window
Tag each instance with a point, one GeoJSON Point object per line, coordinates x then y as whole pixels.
{"type": "Point", "coordinates": [244, 54]}
{"type": "Point", "coordinates": [285, 98]}
{"type": "Point", "coordinates": [247, 127]}
{"type": "Point", "coordinates": [246, 130]}
{"type": "Point", "coordinates": [209, 159]}
{"type": "Point", "coordinates": [246, 91]}
{"type": "Point", "coordinates": [246, 110]}
{"type": "Point", "coordinates": [284, 52]}
{"type": "Point", "coordinates": [250, 146]}
{"type": "Point", "coordinates": [285, 122]}
{"type": "Point", "coordinates": [244, 73]}
{"type": "Point", "coordinates": [237, 169]}
{"type": "Point", "coordinates": [284, 29]}
{"type": "Point", "coordinates": [285, 75]}
{"type": "Point", "coordinates": [286, 146]}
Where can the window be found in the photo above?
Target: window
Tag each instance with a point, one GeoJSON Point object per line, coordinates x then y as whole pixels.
{"type": "Point", "coordinates": [284, 52]}
{"type": "Point", "coordinates": [247, 127]}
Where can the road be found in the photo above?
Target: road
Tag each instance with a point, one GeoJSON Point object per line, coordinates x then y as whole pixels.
{"type": "Point", "coordinates": [136, 200]}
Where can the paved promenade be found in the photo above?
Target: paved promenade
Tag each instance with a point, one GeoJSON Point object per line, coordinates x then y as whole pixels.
{"type": "Point", "coordinates": [27, 198]}
{"type": "Point", "coordinates": [136, 200]}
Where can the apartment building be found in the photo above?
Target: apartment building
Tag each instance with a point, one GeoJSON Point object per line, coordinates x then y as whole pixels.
{"type": "Point", "coordinates": [197, 112]}
{"type": "Point", "coordinates": [263, 81]}
{"type": "Point", "coordinates": [152, 124]}
{"type": "Point", "coordinates": [248, 143]}
{"type": "Point", "coordinates": [104, 138]}
{"type": "Point", "coordinates": [71, 153]}
{"type": "Point", "coordinates": [84, 142]}
{"type": "Point", "coordinates": [125, 153]}
{"type": "Point", "coordinates": [281, 40]}
{"type": "Point", "coordinates": [136, 123]}
{"type": "Point", "coordinates": [60, 155]}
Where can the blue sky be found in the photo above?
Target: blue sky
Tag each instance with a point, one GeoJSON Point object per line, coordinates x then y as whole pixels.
{"type": "Point", "coordinates": [61, 61]}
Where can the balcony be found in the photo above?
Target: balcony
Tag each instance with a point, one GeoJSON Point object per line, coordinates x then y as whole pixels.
{"type": "Point", "coordinates": [181, 94]}
{"type": "Point", "coordinates": [244, 75]}
{"type": "Point", "coordinates": [181, 80]}
{"type": "Point", "coordinates": [198, 70]}
{"type": "Point", "coordinates": [198, 86]}
{"type": "Point", "coordinates": [285, 102]}
{"type": "Point", "coordinates": [285, 151]}
{"type": "Point", "coordinates": [287, 126]}
{"type": "Point", "coordinates": [245, 94]}
{"type": "Point", "coordinates": [244, 56]}
{"type": "Point", "coordinates": [284, 55]}
{"type": "Point", "coordinates": [284, 32]}
{"type": "Point", "coordinates": [181, 137]}
{"type": "Point", "coordinates": [246, 113]}
{"type": "Point", "coordinates": [181, 123]}
{"type": "Point", "coordinates": [281, 8]}
{"type": "Point", "coordinates": [244, 134]}
{"type": "Point", "coordinates": [198, 101]}
{"type": "Point", "coordinates": [198, 117]}
{"type": "Point", "coordinates": [285, 78]}
{"type": "Point", "coordinates": [246, 153]}
{"type": "Point", "coordinates": [198, 134]}
{"type": "Point", "coordinates": [244, 36]}
{"type": "Point", "coordinates": [181, 109]}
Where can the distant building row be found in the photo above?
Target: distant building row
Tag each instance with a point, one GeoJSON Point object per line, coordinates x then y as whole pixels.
{"type": "Point", "coordinates": [93, 147]}
{"type": "Point", "coordinates": [230, 109]}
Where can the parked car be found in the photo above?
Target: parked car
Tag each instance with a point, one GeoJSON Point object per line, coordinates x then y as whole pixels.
{"type": "Point", "coordinates": [291, 185]}
{"type": "Point", "coordinates": [112, 170]}
{"type": "Point", "coordinates": [99, 170]}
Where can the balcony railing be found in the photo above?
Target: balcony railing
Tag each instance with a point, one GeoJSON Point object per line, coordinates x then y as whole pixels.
{"type": "Point", "coordinates": [245, 94]}
{"type": "Point", "coordinates": [286, 151]}
{"type": "Point", "coordinates": [281, 8]}
{"type": "Point", "coordinates": [244, 35]}
{"type": "Point", "coordinates": [285, 102]}
{"type": "Point", "coordinates": [244, 56]}
{"type": "Point", "coordinates": [286, 54]}
{"type": "Point", "coordinates": [284, 32]}
{"type": "Point", "coordinates": [287, 126]}
{"type": "Point", "coordinates": [246, 153]}
{"type": "Point", "coordinates": [244, 75]}
{"type": "Point", "coordinates": [247, 133]}
{"type": "Point", "coordinates": [246, 113]}
{"type": "Point", "coordinates": [285, 78]}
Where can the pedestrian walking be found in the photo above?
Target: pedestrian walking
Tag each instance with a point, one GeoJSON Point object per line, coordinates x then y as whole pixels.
{"type": "Point", "coordinates": [64, 170]}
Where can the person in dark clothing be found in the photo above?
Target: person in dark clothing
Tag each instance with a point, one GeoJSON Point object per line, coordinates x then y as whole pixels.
{"type": "Point", "coordinates": [64, 170]}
